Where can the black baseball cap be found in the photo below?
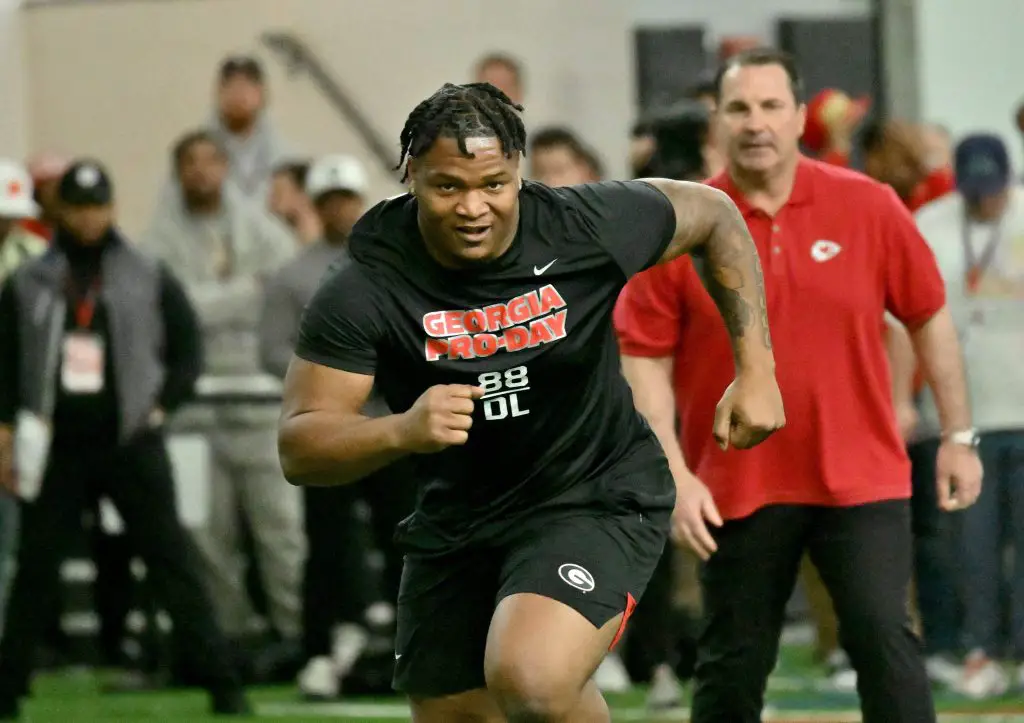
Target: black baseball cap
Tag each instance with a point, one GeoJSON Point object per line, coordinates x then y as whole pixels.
{"type": "Point", "coordinates": [245, 65]}
{"type": "Point", "coordinates": [86, 183]}
{"type": "Point", "coordinates": [982, 166]}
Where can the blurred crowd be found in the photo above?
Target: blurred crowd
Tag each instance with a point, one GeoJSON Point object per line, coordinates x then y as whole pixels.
{"type": "Point", "coordinates": [302, 582]}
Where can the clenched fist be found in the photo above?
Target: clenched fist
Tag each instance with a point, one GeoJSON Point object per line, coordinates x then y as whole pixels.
{"type": "Point", "coordinates": [440, 418]}
{"type": "Point", "coordinates": [751, 410]}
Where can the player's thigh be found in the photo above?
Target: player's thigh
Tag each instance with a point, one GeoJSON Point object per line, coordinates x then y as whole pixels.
{"type": "Point", "coordinates": [445, 606]}
{"type": "Point", "coordinates": [475, 706]}
{"type": "Point", "coordinates": [568, 587]}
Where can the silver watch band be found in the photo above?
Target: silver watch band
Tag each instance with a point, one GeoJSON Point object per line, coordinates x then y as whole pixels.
{"type": "Point", "coordinates": [966, 437]}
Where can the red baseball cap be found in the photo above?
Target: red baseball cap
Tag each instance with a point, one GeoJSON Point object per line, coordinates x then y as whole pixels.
{"type": "Point", "coordinates": [826, 108]}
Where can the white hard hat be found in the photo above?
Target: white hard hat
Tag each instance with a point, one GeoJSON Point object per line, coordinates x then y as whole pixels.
{"type": "Point", "coordinates": [336, 173]}
{"type": "Point", "coordinates": [16, 191]}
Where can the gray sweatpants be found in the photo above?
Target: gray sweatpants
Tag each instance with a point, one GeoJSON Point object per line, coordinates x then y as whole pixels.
{"type": "Point", "coordinates": [246, 482]}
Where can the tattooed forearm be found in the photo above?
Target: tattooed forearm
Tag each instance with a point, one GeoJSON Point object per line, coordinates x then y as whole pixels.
{"type": "Point", "coordinates": [724, 282]}
{"type": "Point", "coordinates": [709, 225]}
{"type": "Point", "coordinates": [733, 276]}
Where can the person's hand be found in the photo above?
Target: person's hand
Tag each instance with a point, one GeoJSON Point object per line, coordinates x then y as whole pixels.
{"type": "Point", "coordinates": [8, 481]}
{"type": "Point", "coordinates": [750, 410]}
{"type": "Point", "coordinates": [906, 419]}
{"type": "Point", "coordinates": [694, 509]}
{"type": "Point", "coordinates": [440, 418]}
{"type": "Point", "coordinates": [958, 476]}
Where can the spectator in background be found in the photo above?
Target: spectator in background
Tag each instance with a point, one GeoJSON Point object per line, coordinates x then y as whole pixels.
{"type": "Point", "coordinates": [703, 91]}
{"type": "Point", "coordinates": [833, 118]}
{"type": "Point", "coordinates": [938, 148]}
{"type": "Point", "coordinates": [288, 201]}
{"type": "Point", "coordinates": [243, 128]}
{"type": "Point", "coordinates": [17, 246]}
{"type": "Point", "coordinates": [503, 72]}
{"type": "Point", "coordinates": [684, 133]}
{"type": "Point", "coordinates": [977, 235]}
{"type": "Point", "coordinates": [337, 186]}
{"type": "Point", "coordinates": [46, 170]}
{"type": "Point", "coordinates": [17, 243]}
{"type": "Point", "coordinates": [848, 509]}
{"type": "Point", "coordinates": [340, 591]}
{"type": "Point", "coordinates": [105, 398]}
{"type": "Point", "coordinates": [641, 148]}
{"type": "Point", "coordinates": [895, 155]}
{"type": "Point", "coordinates": [223, 247]}
{"type": "Point", "coordinates": [559, 158]}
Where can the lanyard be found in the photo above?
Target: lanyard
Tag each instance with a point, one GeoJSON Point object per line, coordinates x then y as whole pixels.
{"type": "Point", "coordinates": [977, 265]}
{"type": "Point", "coordinates": [85, 308]}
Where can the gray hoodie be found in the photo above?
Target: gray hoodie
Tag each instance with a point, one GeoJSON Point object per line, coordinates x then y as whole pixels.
{"type": "Point", "coordinates": [252, 159]}
{"type": "Point", "coordinates": [228, 308]}
{"type": "Point", "coordinates": [289, 291]}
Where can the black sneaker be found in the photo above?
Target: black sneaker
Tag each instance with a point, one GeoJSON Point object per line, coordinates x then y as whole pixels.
{"type": "Point", "coordinates": [229, 701]}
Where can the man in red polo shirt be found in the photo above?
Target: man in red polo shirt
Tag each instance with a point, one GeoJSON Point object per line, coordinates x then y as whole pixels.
{"type": "Point", "coordinates": [838, 250]}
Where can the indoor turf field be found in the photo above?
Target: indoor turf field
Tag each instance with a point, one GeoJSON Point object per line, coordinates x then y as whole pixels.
{"type": "Point", "coordinates": [795, 695]}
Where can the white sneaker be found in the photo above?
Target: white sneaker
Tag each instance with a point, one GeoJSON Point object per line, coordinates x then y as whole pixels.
{"type": "Point", "coordinates": [666, 691]}
{"type": "Point", "coordinates": [982, 677]}
{"type": "Point", "coordinates": [380, 615]}
{"type": "Point", "coordinates": [319, 680]}
{"type": "Point", "coordinates": [841, 676]}
{"type": "Point", "coordinates": [350, 642]}
{"type": "Point", "coordinates": [611, 675]}
{"type": "Point", "coordinates": [943, 670]}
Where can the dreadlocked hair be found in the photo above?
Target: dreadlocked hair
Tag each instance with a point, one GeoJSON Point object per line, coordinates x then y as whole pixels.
{"type": "Point", "coordinates": [473, 110]}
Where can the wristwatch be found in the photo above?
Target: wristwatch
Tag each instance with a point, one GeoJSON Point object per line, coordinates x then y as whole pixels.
{"type": "Point", "coordinates": [965, 437]}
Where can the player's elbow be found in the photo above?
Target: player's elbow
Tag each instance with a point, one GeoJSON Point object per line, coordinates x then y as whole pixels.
{"type": "Point", "coordinates": [305, 462]}
{"type": "Point", "coordinates": [292, 450]}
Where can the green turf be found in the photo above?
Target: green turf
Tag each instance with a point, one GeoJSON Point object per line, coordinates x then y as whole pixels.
{"type": "Point", "coordinates": [796, 694]}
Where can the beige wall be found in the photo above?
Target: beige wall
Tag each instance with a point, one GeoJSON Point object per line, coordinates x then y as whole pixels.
{"type": "Point", "coordinates": [14, 139]}
{"type": "Point", "coordinates": [121, 80]}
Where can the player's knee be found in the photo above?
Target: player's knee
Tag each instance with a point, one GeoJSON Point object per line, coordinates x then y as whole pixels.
{"type": "Point", "coordinates": [464, 708]}
{"type": "Point", "coordinates": [528, 691]}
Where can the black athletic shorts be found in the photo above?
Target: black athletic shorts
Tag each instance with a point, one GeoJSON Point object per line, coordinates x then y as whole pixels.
{"type": "Point", "coordinates": [596, 561]}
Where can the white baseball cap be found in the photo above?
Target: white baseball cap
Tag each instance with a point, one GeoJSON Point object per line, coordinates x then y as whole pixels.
{"type": "Point", "coordinates": [336, 173]}
{"type": "Point", "coordinates": [16, 191]}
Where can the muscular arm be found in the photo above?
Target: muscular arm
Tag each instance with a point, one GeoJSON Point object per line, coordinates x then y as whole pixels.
{"type": "Point", "coordinates": [938, 349]}
{"type": "Point", "coordinates": [323, 440]}
{"type": "Point", "coordinates": [650, 378]}
{"type": "Point", "coordinates": [709, 224]}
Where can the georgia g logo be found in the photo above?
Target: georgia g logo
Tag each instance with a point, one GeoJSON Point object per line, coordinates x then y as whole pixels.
{"type": "Point", "coordinates": [575, 576]}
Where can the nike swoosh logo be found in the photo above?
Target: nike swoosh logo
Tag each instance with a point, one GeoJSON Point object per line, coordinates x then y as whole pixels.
{"type": "Point", "coordinates": [542, 269]}
{"type": "Point", "coordinates": [397, 656]}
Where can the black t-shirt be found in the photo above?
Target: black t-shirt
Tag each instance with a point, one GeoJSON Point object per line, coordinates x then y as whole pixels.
{"type": "Point", "coordinates": [556, 426]}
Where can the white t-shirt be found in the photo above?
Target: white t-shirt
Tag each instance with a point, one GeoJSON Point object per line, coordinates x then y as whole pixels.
{"type": "Point", "coordinates": [990, 320]}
